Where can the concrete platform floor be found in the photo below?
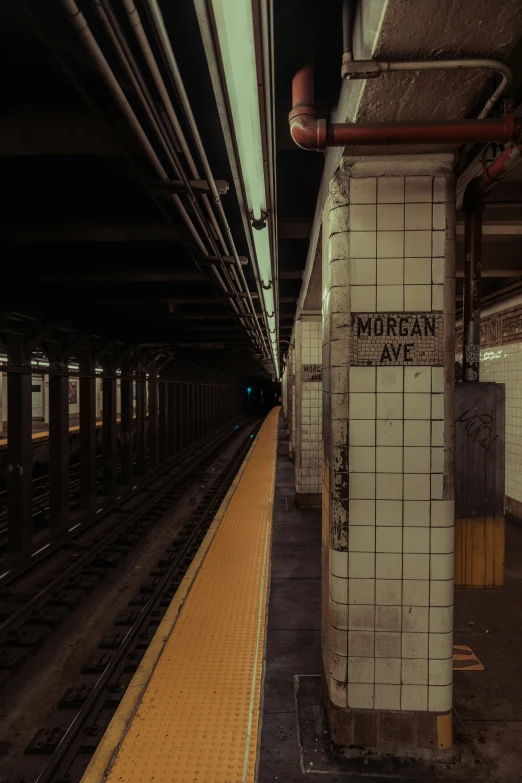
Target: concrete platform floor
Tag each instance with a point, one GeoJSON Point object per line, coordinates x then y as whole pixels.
{"type": "Point", "coordinates": [487, 704]}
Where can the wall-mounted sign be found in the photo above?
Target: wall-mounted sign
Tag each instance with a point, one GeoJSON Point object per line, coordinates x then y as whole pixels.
{"type": "Point", "coordinates": [36, 387]}
{"type": "Point", "coordinates": [73, 392]}
{"type": "Point", "coordinates": [378, 339]}
{"type": "Point", "coordinates": [312, 372]}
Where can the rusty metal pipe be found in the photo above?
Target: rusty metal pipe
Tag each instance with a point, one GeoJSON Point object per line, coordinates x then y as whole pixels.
{"type": "Point", "coordinates": [472, 266]}
{"type": "Point", "coordinates": [313, 133]}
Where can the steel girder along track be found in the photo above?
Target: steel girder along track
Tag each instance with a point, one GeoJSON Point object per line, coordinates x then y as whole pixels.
{"type": "Point", "coordinates": [28, 614]}
{"type": "Point", "coordinates": [121, 650]}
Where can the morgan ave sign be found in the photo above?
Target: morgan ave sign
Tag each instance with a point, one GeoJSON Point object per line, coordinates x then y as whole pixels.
{"type": "Point", "coordinates": [379, 339]}
{"type": "Point", "coordinates": [312, 372]}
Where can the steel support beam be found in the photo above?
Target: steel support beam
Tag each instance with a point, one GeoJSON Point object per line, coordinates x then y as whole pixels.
{"type": "Point", "coordinates": [162, 419]}
{"type": "Point", "coordinates": [141, 421]}
{"type": "Point", "coordinates": [19, 447]}
{"type": "Point", "coordinates": [87, 432]}
{"type": "Point", "coordinates": [58, 439]}
{"type": "Point", "coordinates": [110, 451]}
{"type": "Point", "coordinates": [126, 421]}
{"type": "Point", "coordinates": [171, 407]}
{"type": "Point", "coordinates": [152, 430]}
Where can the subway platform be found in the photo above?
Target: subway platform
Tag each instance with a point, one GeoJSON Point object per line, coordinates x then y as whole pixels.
{"type": "Point", "coordinates": [230, 688]}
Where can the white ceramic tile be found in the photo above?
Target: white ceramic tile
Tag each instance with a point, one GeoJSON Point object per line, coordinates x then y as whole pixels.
{"type": "Point", "coordinates": [388, 592]}
{"type": "Point", "coordinates": [339, 563]}
{"type": "Point", "coordinates": [337, 692]}
{"type": "Point", "coordinates": [417, 271]}
{"type": "Point", "coordinates": [337, 640]}
{"type": "Point", "coordinates": [418, 188]}
{"type": "Point", "coordinates": [416, 433]}
{"type": "Point", "coordinates": [417, 297]}
{"type": "Point", "coordinates": [363, 271]}
{"type": "Point", "coordinates": [361, 538]}
{"type": "Point", "coordinates": [417, 244]}
{"type": "Point", "coordinates": [414, 645]}
{"type": "Point", "coordinates": [416, 486]}
{"type": "Point", "coordinates": [360, 669]}
{"type": "Point", "coordinates": [416, 566]}
{"type": "Point", "coordinates": [415, 592]}
{"type": "Point", "coordinates": [390, 217]}
{"type": "Point", "coordinates": [362, 433]}
{"type": "Point", "coordinates": [387, 645]}
{"type": "Point", "coordinates": [438, 270]}
{"type": "Point", "coordinates": [390, 432]}
{"type": "Point", "coordinates": [388, 512]}
{"type": "Point", "coordinates": [388, 618]}
{"type": "Point", "coordinates": [363, 190]}
{"type": "Point", "coordinates": [390, 298]}
{"type": "Point", "coordinates": [387, 697]}
{"type": "Point", "coordinates": [388, 671]}
{"type": "Point", "coordinates": [360, 695]}
{"type": "Point", "coordinates": [390, 271]}
{"type": "Point", "coordinates": [442, 540]}
{"type": "Point", "coordinates": [338, 615]}
{"type": "Point", "coordinates": [437, 486]}
{"type": "Point", "coordinates": [390, 244]}
{"type": "Point", "coordinates": [361, 618]}
{"type": "Point", "coordinates": [361, 512]}
{"type": "Point", "coordinates": [389, 459]}
{"type": "Point", "coordinates": [362, 405]}
{"type": "Point", "coordinates": [388, 539]}
{"type": "Point", "coordinates": [438, 244]}
{"type": "Point", "coordinates": [361, 643]}
{"type": "Point", "coordinates": [361, 565]}
{"type": "Point", "coordinates": [388, 565]}
{"type": "Point", "coordinates": [389, 405]}
{"type": "Point", "coordinates": [361, 591]}
{"type": "Point", "coordinates": [441, 672]}
{"type": "Point", "coordinates": [388, 486]}
{"type": "Point", "coordinates": [417, 459]}
{"type": "Point", "coordinates": [414, 697]}
{"type": "Point", "coordinates": [361, 459]}
{"type": "Point", "coordinates": [442, 513]}
{"type": "Point", "coordinates": [337, 666]}
{"type": "Point", "coordinates": [362, 379]}
{"type": "Point", "coordinates": [441, 191]}
{"type": "Point", "coordinates": [363, 217]}
{"type": "Point", "coordinates": [437, 406]}
{"type": "Point", "coordinates": [417, 540]}
{"type": "Point", "coordinates": [437, 433]}
{"type": "Point", "coordinates": [390, 379]}
{"type": "Point", "coordinates": [417, 217]}
{"type": "Point", "coordinates": [440, 698]}
{"type": "Point", "coordinates": [415, 619]}
{"type": "Point", "coordinates": [442, 592]}
{"type": "Point", "coordinates": [437, 379]}
{"type": "Point", "coordinates": [441, 645]}
{"type": "Point", "coordinates": [441, 619]}
{"type": "Point", "coordinates": [363, 298]}
{"type": "Point", "coordinates": [442, 566]}
{"type": "Point", "coordinates": [437, 297]}
{"type": "Point", "coordinates": [414, 671]}
{"type": "Point", "coordinates": [417, 405]}
{"type": "Point", "coordinates": [416, 513]}
{"type": "Point", "coordinates": [417, 379]}
{"type": "Point", "coordinates": [338, 589]}
{"type": "Point", "coordinates": [390, 190]}
{"type": "Point", "coordinates": [363, 244]}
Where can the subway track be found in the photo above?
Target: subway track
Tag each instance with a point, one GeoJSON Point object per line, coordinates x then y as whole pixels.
{"type": "Point", "coordinates": [39, 593]}
{"type": "Point", "coordinates": [62, 749]}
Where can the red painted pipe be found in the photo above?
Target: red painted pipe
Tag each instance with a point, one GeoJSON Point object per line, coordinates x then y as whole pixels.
{"type": "Point", "coordinates": [312, 133]}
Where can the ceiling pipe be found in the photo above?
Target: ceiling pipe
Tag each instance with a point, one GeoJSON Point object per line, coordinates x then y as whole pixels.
{"type": "Point", "coordinates": [473, 207]}
{"type": "Point", "coordinates": [312, 133]}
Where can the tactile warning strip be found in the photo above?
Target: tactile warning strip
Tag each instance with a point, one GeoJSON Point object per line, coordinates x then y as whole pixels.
{"type": "Point", "coordinates": [198, 719]}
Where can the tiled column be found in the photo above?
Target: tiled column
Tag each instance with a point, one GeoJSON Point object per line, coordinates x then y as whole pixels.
{"type": "Point", "coordinates": [308, 360]}
{"type": "Point", "coordinates": [291, 402]}
{"type": "Point", "coordinates": [388, 495]}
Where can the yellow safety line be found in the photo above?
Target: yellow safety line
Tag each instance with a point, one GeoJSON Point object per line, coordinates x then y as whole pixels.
{"type": "Point", "coordinates": [198, 720]}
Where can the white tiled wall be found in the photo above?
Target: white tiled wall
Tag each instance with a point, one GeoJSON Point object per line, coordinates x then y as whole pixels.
{"type": "Point", "coordinates": [308, 462]}
{"type": "Point", "coordinates": [391, 541]}
{"type": "Point", "coordinates": [504, 365]}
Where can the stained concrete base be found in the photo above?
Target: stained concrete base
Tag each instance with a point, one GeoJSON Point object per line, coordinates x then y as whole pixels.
{"type": "Point", "coordinates": [487, 704]}
{"type": "Point", "coordinates": [308, 499]}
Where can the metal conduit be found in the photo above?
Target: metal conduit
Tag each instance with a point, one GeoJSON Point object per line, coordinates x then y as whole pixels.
{"type": "Point", "coordinates": [81, 26]}
{"type": "Point", "coordinates": [159, 24]}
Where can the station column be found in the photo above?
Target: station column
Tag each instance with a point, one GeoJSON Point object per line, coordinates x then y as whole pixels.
{"type": "Point", "coordinates": [308, 359]}
{"type": "Point", "coordinates": [388, 488]}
